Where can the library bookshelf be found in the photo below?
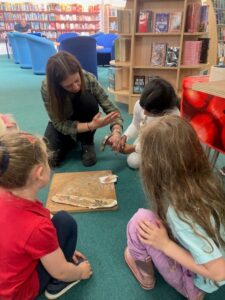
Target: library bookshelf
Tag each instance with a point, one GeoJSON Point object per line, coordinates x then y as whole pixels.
{"type": "Point", "coordinates": [110, 19]}
{"type": "Point", "coordinates": [50, 19]}
{"type": "Point", "coordinates": [138, 63]}
{"type": "Point", "coordinates": [219, 8]}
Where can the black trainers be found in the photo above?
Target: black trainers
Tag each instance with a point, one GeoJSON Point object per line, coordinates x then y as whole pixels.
{"type": "Point", "coordinates": [57, 288]}
{"type": "Point", "coordinates": [88, 155]}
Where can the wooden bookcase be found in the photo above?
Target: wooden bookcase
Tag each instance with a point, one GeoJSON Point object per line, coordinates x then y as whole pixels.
{"type": "Point", "coordinates": [110, 19]}
{"type": "Point", "coordinates": [50, 19]}
{"type": "Point", "coordinates": [141, 46]}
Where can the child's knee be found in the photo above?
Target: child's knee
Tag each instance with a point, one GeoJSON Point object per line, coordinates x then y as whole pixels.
{"type": "Point", "coordinates": [65, 220]}
{"type": "Point", "coordinates": [140, 215]}
{"type": "Point", "coordinates": [133, 160]}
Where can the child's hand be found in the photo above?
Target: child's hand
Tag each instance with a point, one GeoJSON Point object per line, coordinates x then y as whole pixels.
{"type": "Point", "coordinates": [154, 235]}
{"type": "Point", "coordinates": [77, 257]}
{"type": "Point", "coordinates": [85, 269]}
{"type": "Point", "coordinates": [128, 149]}
{"type": "Point", "coordinates": [121, 144]}
{"type": "Point", "coordinates": [84, 266]}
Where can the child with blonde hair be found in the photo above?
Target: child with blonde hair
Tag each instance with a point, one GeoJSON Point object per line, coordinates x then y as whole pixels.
{"type": "Point", "coordinates": [185, 235]}
{"type": "Point", "coordinates": [37, 252]}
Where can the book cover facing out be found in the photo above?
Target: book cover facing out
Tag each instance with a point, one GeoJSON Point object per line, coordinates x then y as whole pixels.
{"type": "Point", "coordinates": [158, 54]}
{"type": "Point", "coordinates": [172, 56]}
{"type": "Point", "coordinates": [139, 84]}
{"type": "Point", "coordinates": [161, 22]}
{"type": "Point", "coordinates": [175, 21]}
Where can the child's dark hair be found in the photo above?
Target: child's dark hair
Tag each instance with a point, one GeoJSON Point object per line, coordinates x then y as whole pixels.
{"type": "Point", "coordinates": [158, 96]}
{"type": "Point", "coordinates": [19, 153]}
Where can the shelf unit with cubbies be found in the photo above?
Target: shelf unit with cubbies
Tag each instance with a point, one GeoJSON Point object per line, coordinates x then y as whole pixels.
{"type": "Point", "coordinates": [139, 62]}
{"type": "Point", "coordinates": [110, 19]}
{"type": "Point", "coordinates": [51, 19]}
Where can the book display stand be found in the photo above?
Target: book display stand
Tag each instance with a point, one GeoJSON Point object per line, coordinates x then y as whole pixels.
{"type": "Point", "coordinates": [159, 31]}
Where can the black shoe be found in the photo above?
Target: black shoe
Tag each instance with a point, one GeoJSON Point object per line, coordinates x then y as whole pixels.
{"type": "Point", "coordinates": [88, 155]}
{"type": "Point", "coordinates": [57, 288]}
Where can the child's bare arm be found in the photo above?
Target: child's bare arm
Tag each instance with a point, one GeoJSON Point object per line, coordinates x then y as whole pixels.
{"type": "Point", "coordinates": [156, 236]}
{"type": "Point", "coordinates": [128, 149]}
{"type": "Point", "coordinates": [57, 266]}
{"type": "Point", "coordinates": [214, 270]}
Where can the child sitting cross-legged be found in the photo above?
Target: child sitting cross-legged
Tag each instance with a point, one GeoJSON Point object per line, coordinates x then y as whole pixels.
{"type": "Point", "coordinates": [37, 253]}
{"type": "Point", "coordinates": [184, 235]}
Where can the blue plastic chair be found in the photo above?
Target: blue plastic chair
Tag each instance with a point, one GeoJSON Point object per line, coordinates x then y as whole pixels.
{"type": "Point", "coordinates": [95, 35]}
{"type": "Point", "coordinates": [84, 49]}
{"type": "Point", "coordinates": [40, 50]}
{"type": "Point", "coordinates": [15, 51]}
{"type": "Point", "coordinates": [66, 35]}
{"type": "Point", "coordinates": [104, 55]}
{"type": "Point", "coordinates": [23, 50]}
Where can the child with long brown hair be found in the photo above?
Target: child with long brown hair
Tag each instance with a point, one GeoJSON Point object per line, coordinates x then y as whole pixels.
{"type": "Point", "coordinates": [185, 235]}
{"type": "Point", "coordinates": [37, 252]}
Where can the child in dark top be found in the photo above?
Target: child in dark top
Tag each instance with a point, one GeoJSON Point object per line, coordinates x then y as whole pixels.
{"type": "Point", "coordinates": [37, 252]}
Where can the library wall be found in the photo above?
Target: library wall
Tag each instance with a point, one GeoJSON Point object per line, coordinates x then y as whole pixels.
{"type": "Point", "coordinates": [50, 19]}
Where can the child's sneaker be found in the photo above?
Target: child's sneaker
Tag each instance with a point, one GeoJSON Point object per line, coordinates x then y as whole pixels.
{"type": "Point", "coordinates": [57, 288]}
{"type": "Point", "coordinates": [142, 270]}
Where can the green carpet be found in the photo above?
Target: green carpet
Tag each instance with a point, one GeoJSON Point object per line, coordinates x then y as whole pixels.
{"type": "Point", "coordinates": [102, 235]}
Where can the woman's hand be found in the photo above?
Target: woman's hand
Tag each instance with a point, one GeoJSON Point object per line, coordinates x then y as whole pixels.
{"type": "Point", "coordinates": [98, 121]}
{"type": "Point", "coordinates": [153, 234]}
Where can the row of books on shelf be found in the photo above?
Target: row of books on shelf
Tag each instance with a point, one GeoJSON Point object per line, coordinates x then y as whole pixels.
{"type": "Point", "coordinates": [116, 81]}
{"type": "Point", "coordinates": [122, 49]}
{"type": "Point", "coordinates": [8, 6]}
{"type": "Point", "coordinates": [221, 34]}
{"type": "Point", "coordinates": [219, 4]}
{"type": "Point", "coordinates": [164, 55]}
{"type": "Point", "coordinates": [47, 17]}
{"type": "Point", "coordinates": [196, 18]}
{"type": "Point", "coordinates": [54, 26]}
{"type": "Point", "coordinates": [221, 49]}
{"type": "Point", "coordinates": [124, 19]}
{"type": "Point", "coordinates": [148, 21]}
{"type": "Point", "coordinates": [194, 52]}
{"type": "Point", "coordinates": [220, 17]}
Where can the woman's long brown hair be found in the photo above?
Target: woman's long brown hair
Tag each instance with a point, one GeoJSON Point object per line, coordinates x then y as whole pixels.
{"type": "Point", "coordinates": [175, 171]}
{"type": "Point", "coordinates": [59, 67]}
